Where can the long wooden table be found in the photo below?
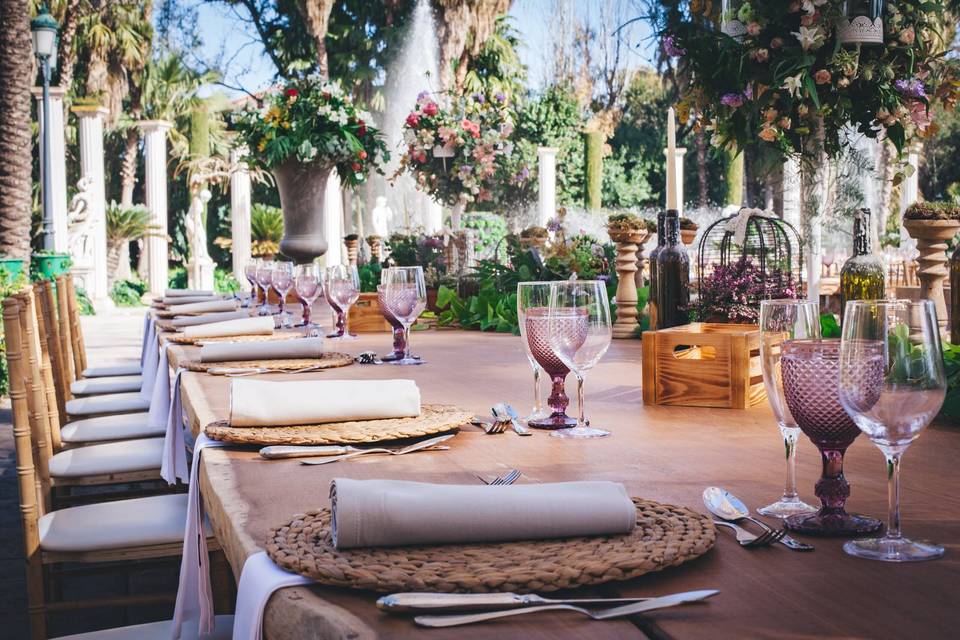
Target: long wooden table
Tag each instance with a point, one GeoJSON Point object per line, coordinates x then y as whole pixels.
{"type": "Point", "coordinates": [665, 453]}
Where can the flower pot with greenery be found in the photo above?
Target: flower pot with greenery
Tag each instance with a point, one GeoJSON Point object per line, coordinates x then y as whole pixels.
{"type": "Point", "coordinates": [688, 231]}
{"type": "Point", "coordinates": [932, 225]}
{"type": "Point", "coordinates": [49, 265]}
{"type": "Point", "coordinates": [301, 134]}
{"type": "Point", "coordinates": [10, 269]}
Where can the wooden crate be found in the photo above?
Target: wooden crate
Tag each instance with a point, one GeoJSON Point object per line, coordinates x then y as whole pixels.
{"type": "Point", "coordinates": [365, 316]}
{"type": "Point", "coordinates": [703, 365]}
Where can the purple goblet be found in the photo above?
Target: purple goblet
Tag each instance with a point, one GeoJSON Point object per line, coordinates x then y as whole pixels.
{"type": "Point", "coordinates": [811, 381]}
{"type": "Point", "coordinates": [399, 338]}
{"type": "Point", "coordinates": [537, 331]}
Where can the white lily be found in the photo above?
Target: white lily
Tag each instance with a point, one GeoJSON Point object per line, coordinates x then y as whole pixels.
{"type": "Point", "coordinates": [807, 36]}
{"type": "Point", "coordinates": [793, 84]}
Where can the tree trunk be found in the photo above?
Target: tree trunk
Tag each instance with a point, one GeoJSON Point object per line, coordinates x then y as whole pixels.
{"type": "Point", "coordinates": [702, 166]}
{"type": "Point", "coordinates": [316, 13]}
{"type": "Point", "coordinates": [16, 76]}
{"type": "Point", "coordinates": [66, 55]}
{"type": "Point", "coordinates": [462, 29]}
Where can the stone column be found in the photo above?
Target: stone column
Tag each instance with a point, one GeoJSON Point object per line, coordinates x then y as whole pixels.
{"type": "Point", "coordinates": [239, 214]}
{"type": "Point", "coordinates": [58, 163]}
{"type": "Point", "coordinates": [155, 187]}
{"type": "Point", "coordinates": [333, 221]}
{"type": "Point", "coordinates": [91, 167]}
{"type": "Point", "coordinates": [547, 175]}
{"type": "Point", "coordinates": [681, 152]}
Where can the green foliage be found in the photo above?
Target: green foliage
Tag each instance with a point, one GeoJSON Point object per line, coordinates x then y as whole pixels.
{"type": "Point", "coordinates": [829, 328]}
{"type": "Point", "coordinates": [84, 304]}
{"type": "Point", "coordinates": [951, 361]}
{"type": "Point", "coordinates": [266, 229]}
{"type": "Point", "coordinates": [369, 277]}
{"type": "Point", "coordinates": [224, 281]}
{"type": "Point", "coordinates": [489, 310]}
{"type": "Point", "coordinates": [412, 250]}
{"type": "Point", "coordinates": [498, 69]}
{"type": "Point", "coordinates": [125, 224]}
{"type": "Point", "coordinates": [490, 227]}
{"type": "Point", "coordinates": [177, 278]}
{"type": "Point", "coordinates": [126, 293]}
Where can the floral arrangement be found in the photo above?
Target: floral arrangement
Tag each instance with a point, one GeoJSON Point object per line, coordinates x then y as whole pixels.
{"type": "Point", "coordinates": [461, 153]}
{"type": "Point", "coordinates": [417, 249]}
{"type": "Point", "coordinates": [789, 78]}
{"type": "Point", "coordinates": [312, 120]}
{"type": "Point", "coordinates": [732, 292]}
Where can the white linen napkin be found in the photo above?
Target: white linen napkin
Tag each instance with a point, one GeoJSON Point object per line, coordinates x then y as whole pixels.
{"type": "Point", "coordinates": [260, 325]}
{"type": "Point", "coordinates": [175, 301]}
{"type": "Point", "coordinates": [260, 403]}
{"type": "Point", "coordinates": [267, 350]}
{"type": "Point", "coordinates": [259, 578]}
{"type": "Point", "coordinates": [194, 603]}
{"type": "Point", "coordinates": [379, 513]}
{"type": "Point", "coordinates": [187, 292]}
{"type": "Point", "coordinates": [160, 396]}
{"type": "Point", "coordinates": [150, 367]}
{"type": "Point", "coordinates": [149, 331]}
{"type": "Point", "coordinates": [206, 307]}
{"type": "Point", "coordinates": [207, 318]}
{"type": "Point", "coordinates": [173, 463]}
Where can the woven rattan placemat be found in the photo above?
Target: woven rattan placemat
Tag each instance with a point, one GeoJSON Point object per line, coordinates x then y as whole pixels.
{"type": "Point", "coordinates": [665, 536]}
{"type": "Point", "coordinates": [179, 338]}
{"type": "Point", "coordinates": [433, 419]}
{"type": "Point", "coordinates": [326, 361]}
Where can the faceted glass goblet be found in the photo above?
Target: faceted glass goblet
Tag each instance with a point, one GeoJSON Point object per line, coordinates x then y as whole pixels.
{"type": "Point", "coordinates": [308, 285]}
{"type": "Point", "coordinates": [264, 279]}
{"type": "Point", "coordinates": [399, 335]}
{"type": "Point", "coordinates": [342, 289]}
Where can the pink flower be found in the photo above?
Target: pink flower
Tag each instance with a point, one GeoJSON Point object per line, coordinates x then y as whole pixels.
{"type": "Point", "coordinates": [753, 29]}
{"type": "Point", "coordinates": [470, 127]}
{"type": "Point", "coordinates": [413, 119]}
{"type": "Point", "coordinates": [920, 115]}
{"type": "Point", "coordinates": [768, 134]}
{"type": "Point", "coordinates": [430, 109]}
{"type": "Point", "coordinates": [822, 76]}
{"type": "Point", "coordinates": [907, 36]}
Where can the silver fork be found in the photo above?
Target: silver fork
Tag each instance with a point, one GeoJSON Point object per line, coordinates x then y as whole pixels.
{"type": "Point", "coordinates": [508, 478]}
{"type": "Point", "coordinates": [747, 539]}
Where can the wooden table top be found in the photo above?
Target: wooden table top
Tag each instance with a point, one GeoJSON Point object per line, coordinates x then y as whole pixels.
{"type": "Point", "coordinates": [665, 453]}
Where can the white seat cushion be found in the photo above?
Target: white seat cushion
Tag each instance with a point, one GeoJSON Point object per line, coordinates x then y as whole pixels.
{"type": "Point", "coordinates": [112, 403]}
{"type": "Point", "coordinates": [126, 426]}
{"type": "Point", "coordinates": [111, 457]}
{"type": "Point", "coordinates": [116, 525]}
{"type": "Point", "coordinates": [223, 630]}
{"type": "Point", "coordinates": [130, 369]}
{"type": "Point", "coordinates": [113, 384]}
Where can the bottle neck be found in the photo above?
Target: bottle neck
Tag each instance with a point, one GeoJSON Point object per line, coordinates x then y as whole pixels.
{"type": "Point", "coordinates": [671, 228]}
{"type": "Point", "coordinates": [661, 236]}
{"type": "Point", "coordinates": [861, 239]}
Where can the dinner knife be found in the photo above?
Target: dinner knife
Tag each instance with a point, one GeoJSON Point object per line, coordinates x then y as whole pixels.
{"type": "Point", "coordinates": [604, 614]}
{"type": "Point", "coordinates": [279, 452]}
{"type": "Point", "coordinates": [446, 602]}
{"type": "Point", "coordinates": [419, 446]}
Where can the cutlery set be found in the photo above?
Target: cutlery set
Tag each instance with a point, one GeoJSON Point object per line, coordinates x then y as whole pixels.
{"type": "Point", "coordinates": [504, 416]}
{"type": "Point", "coordinates": [730, 509]}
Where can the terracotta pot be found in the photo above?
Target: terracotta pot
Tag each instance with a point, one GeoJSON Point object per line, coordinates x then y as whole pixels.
{"type": "Point", "coordinates": [932, 237]}
{"type": "Point", "coordinates": [302, 190]}
{"type": "Point", "coordinates": [687, 236]}
{"type": "Point", "coordinates": [627, 237]}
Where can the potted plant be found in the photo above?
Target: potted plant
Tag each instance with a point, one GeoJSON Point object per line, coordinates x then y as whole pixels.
{"type": "Point", "coordinates": [300, 134]}
{"type": "Point", "coordinates": [731, 293]}
{"type": "Point", "coordinates": [932, 225]}
{"type": "Point", "coordinates": [49, 264]}
{"type": "Point", "coordinates": [10, 269]}
{"type": "Point", "coordinates": [688, 230]}
{"type": "Point", "coordinates": [534, 237]}
{"type": "Point", "coordinates": [627, 228]}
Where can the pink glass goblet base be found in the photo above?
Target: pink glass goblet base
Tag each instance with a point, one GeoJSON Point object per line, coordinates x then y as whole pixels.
{"type": "Point", "coordinates": [538, 338]}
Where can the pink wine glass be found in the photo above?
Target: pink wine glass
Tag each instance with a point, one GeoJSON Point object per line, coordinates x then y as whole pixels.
{"type": "Point", "coordinates": [399, 335]}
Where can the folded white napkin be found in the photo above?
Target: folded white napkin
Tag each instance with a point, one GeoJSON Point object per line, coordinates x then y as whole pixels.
{"type": "Point", "coordinates": [206, 307]}
{"type": "Point", "coordinates": [187, 292]}
{"type": "Point", "coordinates": [160, 393]}
{"type": "Point", "coordinates": [173, 461]}
{"type": "Point", "coordinates": [267, 350]}
{"type": "Point", "coordinates": [207, 318]}
{"type": "Point", "coordinates": [261, 403]}
{"type": "Point", "coordinates": [260, 325]}
{"type": "Point", "coordinates": [379, 513]}
{"type": "Point", "coordinates": [177, 301]}
{"type": "Point", "coordinates": [149, 331]}
{"type": "Point", "coordinates": [259, 578]}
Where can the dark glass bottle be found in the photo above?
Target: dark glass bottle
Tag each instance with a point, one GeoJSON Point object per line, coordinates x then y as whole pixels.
{"type": "Point", "coordinates": [652, 261]}
{"type": "Point", "coordinates": [862, 276]}
{"type": "Point", "coordinates": [673, 276]}
{"type": "Point", "coordinates": [954, 311]}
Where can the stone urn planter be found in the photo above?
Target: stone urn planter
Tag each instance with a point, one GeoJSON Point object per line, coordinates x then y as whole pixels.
{"type": "Point", "coordinates": [628, 241]}
{"type": "Point", "coordinates": [376, 248]}
{"type": "Point", "coordinates": [932, 237]}
{"type": "Point", "coordinates": [302, 190]}
{"type": "Point", "coordinates": [352, 242]}
{"type": "Point", "coordinates": [687, 236]}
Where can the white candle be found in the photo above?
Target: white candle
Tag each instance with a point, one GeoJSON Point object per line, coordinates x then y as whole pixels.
{"type": "Point", "coordinates": [671, 160]}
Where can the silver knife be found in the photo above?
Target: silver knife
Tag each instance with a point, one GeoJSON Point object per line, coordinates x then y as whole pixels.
{"type": "Point", "coordinates": [604, 614]}
{"type": "Point", "coordinates": [506, 411]}
{"type": "Point", "coordinates": [449, 602]}
{"type": "Point", "coordinates": [283, 451]}
{"type": "Point", "coordinates": [419, 446]}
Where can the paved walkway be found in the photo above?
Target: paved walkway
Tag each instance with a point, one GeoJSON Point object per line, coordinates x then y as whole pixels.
{"type": "Point", "coordinates": [111, 337]}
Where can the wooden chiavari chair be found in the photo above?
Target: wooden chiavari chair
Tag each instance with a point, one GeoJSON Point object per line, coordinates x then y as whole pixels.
{"type": "Point", "coordinates": [109, 535]}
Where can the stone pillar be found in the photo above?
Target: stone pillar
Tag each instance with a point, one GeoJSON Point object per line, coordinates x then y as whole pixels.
{"type": "Point", "coordinates": [155, 187]}
{"type": "Point", "coordinates": [681, 152]}
{"type": "Point", "coordinates": [333, 221]}
{"type": "Point", "coordinates": [239, 214]}
{"type": "Point", "coordinates": [547, 176]}
{"type": "Point", "coordinates": [91, 167]}
{"type": "Point", "coordinates": [58, 163]}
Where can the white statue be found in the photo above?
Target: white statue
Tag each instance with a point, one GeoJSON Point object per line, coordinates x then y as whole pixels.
{"type": "Point", "coordinates": [78, 219]}
{"type": "Point", "coordinates": [196, 229]}
{"type": "Point", "coordinates": [382, 216]}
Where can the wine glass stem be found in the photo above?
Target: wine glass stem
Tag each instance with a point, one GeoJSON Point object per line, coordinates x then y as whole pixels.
{"type": "Point", "coordinates": [893, 495]}
{"type": "Point", "coordinates": [580, 422]}
{"type": "Point", "coordinates": [790, 449]}
{"type": "Point", "coordinates": [346, 317]}
{"type": "Point", "coordinates": [537, 404]}
{"type": "Point", "coordinates": [283, 298]}
{"type": "Point", "coordinates": [406, 341]}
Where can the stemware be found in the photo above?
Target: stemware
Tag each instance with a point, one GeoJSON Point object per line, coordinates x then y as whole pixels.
{"type": "Point", "coordinates": [308, 286]}
{"type": "Point", "coordinates": [342, 290]}
{"type": "Point", "coordinates": [405, 298]}
{"type": "Point", "coordinates": [264, 279]}
{"type": "Point", "coordinates": [532, 295]}
{"type": "Point", "coordinates": [399, 335]}
{"type": "Point", "coordinates": [811, 374]}
{"type": "Point", "coordinates": [250, 273]}
{"type": "Point", "coordinates": [536, 333]}
{"type": "Point", "coordinates": [282, 281]}
{"type": "Point", "coordinates": [579, 331]}
{"type": "Point", "coordinates": [782, 320]}
{"type": "Point", "coordinates": [892, 383]}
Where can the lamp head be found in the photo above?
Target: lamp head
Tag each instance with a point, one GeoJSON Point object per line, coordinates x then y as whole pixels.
{"type": "Point", "coordinates": [44, 29]}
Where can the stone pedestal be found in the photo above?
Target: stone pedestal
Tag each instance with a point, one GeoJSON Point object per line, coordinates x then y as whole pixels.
{"type": "Point", "coordinates": [58, 163]}
{"type": "Point", "coordinates": [678, 159]}
{"type": "Point", "coordinates": [547, 175]}
{"type": "Point", "coordinates": [200, 274]}
{"type": "Point", "coordinates": [239, 215]}
{"type": "Point", "coordinates": [91, 264]}
{"type": "Point", "coordinates": [625, 325]}
{"type": "Point", "coordinates": [376, 248]}
{"type": "Point", "coordinates": [155, 187]}
{"type": "Point", "coordinates": [932, 237]}
{"type": "Point", "coordinates": [353, 250]}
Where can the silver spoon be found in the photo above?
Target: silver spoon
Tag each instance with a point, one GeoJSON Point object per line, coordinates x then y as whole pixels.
{"type": "Point", "coordinates": [727, 506]}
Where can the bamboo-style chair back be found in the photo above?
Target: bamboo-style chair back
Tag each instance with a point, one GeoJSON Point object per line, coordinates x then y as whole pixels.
{"type": "Point", "coordinates": [63, 323]}
{"type": "Point", "coordinates": [76, 331]}
{"type": "Point", "coordinates": [34, 323]}
{"type": "Point", "coordinates": [50, 329]}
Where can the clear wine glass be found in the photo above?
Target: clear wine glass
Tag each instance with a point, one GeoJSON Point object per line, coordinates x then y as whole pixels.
{"type": "Point", "coordinates": [580, 332]}
{"type": "Point", "coordinates": [264, 278]}
{"type": "Point", "coordinates": [405, 295]}
{"type": "Point", "coordinates": [342, 289]}
{"type": "Point", "coordinates": [282, 282]}
{"type": "Point", "coordinates": [892, 383]}
{"type": "Point", "coordinates": [308, 286]}
{"type": "Point", "coordinates": [250, 273]}
{"type": "Point", "coordinates": [782, 320]}
{"type": "Point", "coordinates": [532, 295]}
{"type": "Point", "coordinates": [399, 335]}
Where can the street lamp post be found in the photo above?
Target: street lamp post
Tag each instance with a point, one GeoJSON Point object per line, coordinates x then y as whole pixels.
{"type": "Point", "coordinates": [44, 29]}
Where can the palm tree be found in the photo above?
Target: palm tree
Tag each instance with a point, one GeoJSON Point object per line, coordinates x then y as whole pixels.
{"type": "Point", "coordinates": [16, 77]}
{"type": "Point", "coordinates": [124, 225]}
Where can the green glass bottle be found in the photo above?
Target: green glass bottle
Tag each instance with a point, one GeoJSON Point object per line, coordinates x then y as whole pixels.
{"type": "Point", "coordinates": [673, 276]}
{"type": "Point", "coordinates": [862, 276]}
{"type": "Point", "coordinates": [652, 262]}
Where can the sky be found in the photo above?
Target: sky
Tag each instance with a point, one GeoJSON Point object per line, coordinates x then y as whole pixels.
{"type": "Point", "coordinates": [227, 38]}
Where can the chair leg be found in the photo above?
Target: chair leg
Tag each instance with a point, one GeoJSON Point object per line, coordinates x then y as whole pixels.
{"type": "Point", "coordinates": [37, 607]}
{"type": "Point", "coordinates": [222, 583]}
